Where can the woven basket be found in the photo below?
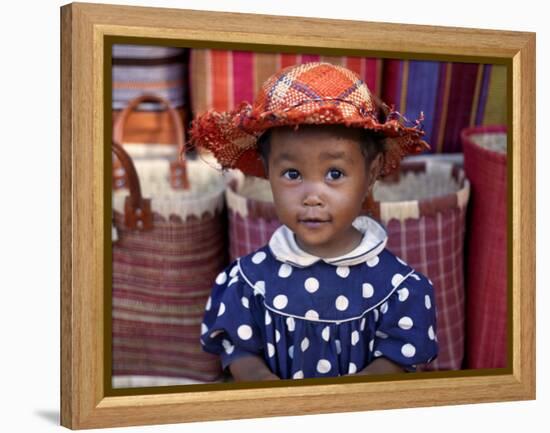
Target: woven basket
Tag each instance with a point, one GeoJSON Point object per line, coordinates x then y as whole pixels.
{"type": "Point", "coordinates": [251, 213]}
{"type": "Point", "coordinates": [139, 70]}
{"type": "Point", "coordinates": [148, 153]}
{"type": "Point", "coordinates": [486, 280]}
{"type": "Point", "coordinates": [425, 224]}
{"type": "Point", "coordinates": [168, 249]}
{"type": "Point", "coordinates": [423, 207]}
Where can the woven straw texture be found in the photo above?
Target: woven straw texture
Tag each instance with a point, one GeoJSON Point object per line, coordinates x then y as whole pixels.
{"type": "Point", "coordinates": [162, 277]}
{"type": "Point", "coordinates": [311, 93]}
{"type": "Point", "coordinates": [221, 79]}
{"type": "Point", "coordinates": [486, 280]}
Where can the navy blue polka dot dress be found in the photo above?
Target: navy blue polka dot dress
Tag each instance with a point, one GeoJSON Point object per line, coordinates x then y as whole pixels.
{"type": "Point", "coordinates": [321, 320]}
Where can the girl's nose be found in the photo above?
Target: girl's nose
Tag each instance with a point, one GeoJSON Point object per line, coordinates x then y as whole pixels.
{"type": "Point", "coordinates": [312, 198]}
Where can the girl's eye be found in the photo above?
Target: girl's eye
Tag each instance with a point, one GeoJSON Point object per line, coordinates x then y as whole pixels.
{"type": "Point", "coordinates": [291, 174]}
{"type": "Point", "coordinates": [334, 174]}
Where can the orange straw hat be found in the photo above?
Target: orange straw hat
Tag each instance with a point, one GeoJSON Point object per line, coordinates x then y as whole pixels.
{"type": "Point", "coordinates": [311, 93]}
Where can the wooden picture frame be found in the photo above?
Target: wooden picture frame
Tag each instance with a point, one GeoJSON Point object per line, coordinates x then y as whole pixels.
{"type": "Point", "coordinates": [85, 400]}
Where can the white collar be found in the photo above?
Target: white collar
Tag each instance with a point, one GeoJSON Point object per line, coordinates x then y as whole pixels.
{"type": "Point", "coordinates": [285, 249]}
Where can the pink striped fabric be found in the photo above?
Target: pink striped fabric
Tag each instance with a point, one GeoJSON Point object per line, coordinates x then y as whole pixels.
{"type": "Point", "coordinates": [161, 282]}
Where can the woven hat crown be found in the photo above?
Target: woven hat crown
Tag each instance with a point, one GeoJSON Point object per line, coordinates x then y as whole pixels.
{"type": "Point", "coordinates": [306, 87]}
{"type": "Point", "coordinates": [310, 93]}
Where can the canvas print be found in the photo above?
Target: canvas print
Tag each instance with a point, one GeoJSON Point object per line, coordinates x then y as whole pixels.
{"type": "Point", "coordinates": [281, 216]}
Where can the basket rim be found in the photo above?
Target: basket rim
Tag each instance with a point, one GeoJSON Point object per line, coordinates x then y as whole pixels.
{"type": "Point", "coordinates": [436, 204]}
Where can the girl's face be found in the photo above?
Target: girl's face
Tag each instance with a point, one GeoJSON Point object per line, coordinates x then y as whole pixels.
{"type": "Point", "coordinates": [319, 181]}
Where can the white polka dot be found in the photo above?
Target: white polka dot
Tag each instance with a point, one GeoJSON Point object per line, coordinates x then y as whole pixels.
{"type": "Point", "coordinates": [342, 303]}
{"type": "Point", "coordinates": [298, 375]}
{"type": "Point", "coordinates": [202, 342]}
{"type": "Point", "coordinates": [408, 350]}
{"type": "Point", "coordinates": [259, 287]}
{"type": "Point", "coordinates": [233, 272]}
{"type": "Point", "coordinates": [363, 323]}
{"type": "Point", "coordinates": [400, 261]}
{"type": "Point", "coordinates": [338, 346]}
{"type": "Point", "coordinates": [233, 281]}
{"type": "Point", "coordinates": [431, 333]}
{"type": "Point", "coordinates": [312, 315]}
{"type": "Point", "coordinates": [244, 332]}
{"type": "Point", "coordinates": [216, 333]}
{"type": "Point", "coordinates": [371, 263]}
{"type": "Point", "coordinates": [221, 310]}
{"type": "Point", "coordinates": [396, 280]}
{"type": "Point", "coordinates": [270, 350]}
{"type": "Point", "coordinates": [403, 294]}
{"type": "Point", "coordinates": [352, 368]}
{"type": "Point", "coordinates": [354, 338]}
{"type": "Point", "coordinates": [342, 271]}
{"type": "Point", "coordinates": [221, 278]}
{"type": "Point", "coordinates": [280, 301]}
{"type": "Point", "coordinates": [416, 277]}
{"type": "Point", "coordinates": [277, 336]}
{"type": "Point", "coordinates": [430, 281]}
{"type": "Point", "coordinates": [259, 257]}
{"type": "Point", "coordinates": [371, 345]}
{"type": "Point", "coordinates": [311, 285]}
{"type": "Point", "coordinates": [428, 301]}
{"type": "Point", "coordinates": [323, 366]}
{"type": "Point", "coordinates": [376, 315]}
{"type": "Point", "coordinates": [228, 347]}
{"type": "Point", "coordinates": [291, 352]}
{"type": "Point", "coordinates": [245, 302]}
{"type": "Point", "coordinates": [368, 290]}
{"type": "Point", "coordinates": [267, 318]}
{"type": "Point", "coordinates": [377, 353]}
{"type": "Point", "coordinates": [326, 333]}
{"type": "Point", "coordinates": [285, 270]}
{"type": "Point", "coordinates": [305, 344]}
{"type": "Point", "coordinates": [204, 329]}
{"type": "Point", "coordinates": [290, 323]}
{"type": "Point", "coordinates": [381, 334]}
{"type": "Point", "coordinates": [208, 304]}
{"type": "Point", "coordinates": [405, 323]}
{"type": "Point", "coordinates": [384, 308]}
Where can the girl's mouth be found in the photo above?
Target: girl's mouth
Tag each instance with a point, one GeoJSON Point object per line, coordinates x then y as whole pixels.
{"type": "Point", "coordinates": [314, 223]}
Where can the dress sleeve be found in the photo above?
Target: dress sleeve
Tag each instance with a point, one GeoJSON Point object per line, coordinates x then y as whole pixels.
{"type": "Point", "coordinates": [406, 331]}
{"type": "Point", "coordinates": [230, 324]}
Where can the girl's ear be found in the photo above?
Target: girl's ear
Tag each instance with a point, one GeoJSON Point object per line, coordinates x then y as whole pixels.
{"type": "Point", "coordinates": [375, 169]}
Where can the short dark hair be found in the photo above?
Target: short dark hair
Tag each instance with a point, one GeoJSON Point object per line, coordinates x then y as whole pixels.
{"type": "Point", "coordinates": [372, 143]}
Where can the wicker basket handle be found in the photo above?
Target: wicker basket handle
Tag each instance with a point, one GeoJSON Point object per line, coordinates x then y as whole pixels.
{"type": "Point", "coordinates": [137, 210]}
{"type": "Point", "coordinates": [178, 171]}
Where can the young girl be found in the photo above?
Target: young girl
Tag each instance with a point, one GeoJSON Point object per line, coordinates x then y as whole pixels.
{"type": "Point", "coordinates": [324, 297]}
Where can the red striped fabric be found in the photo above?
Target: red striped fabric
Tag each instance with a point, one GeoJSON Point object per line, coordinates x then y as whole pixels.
{"type": "Point", "coordinates": [221, 79]}
{"type": "Point", "coordinates": [161, 282]}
